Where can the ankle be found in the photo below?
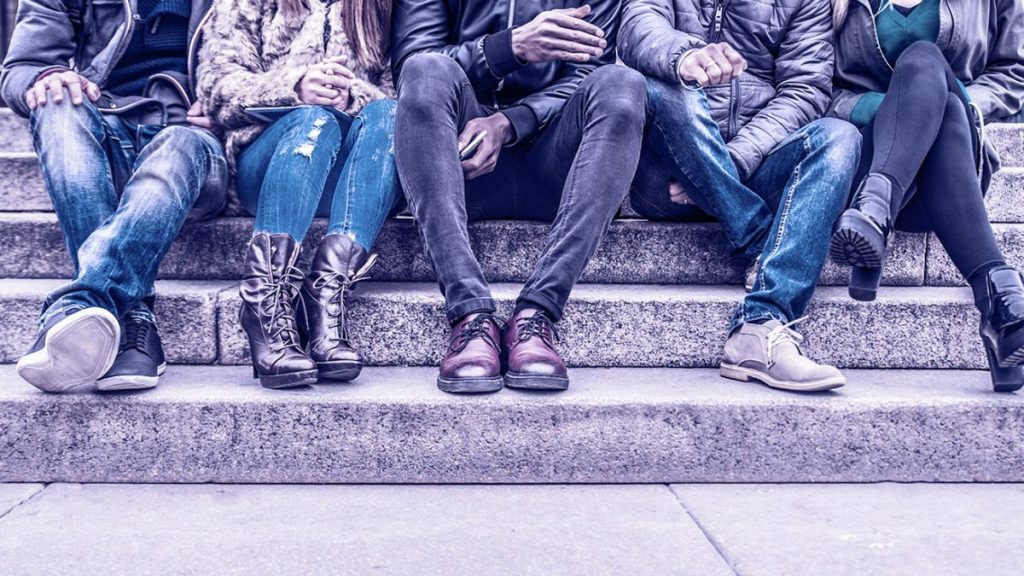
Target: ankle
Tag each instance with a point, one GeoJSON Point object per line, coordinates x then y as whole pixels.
{"type": "Point", "coordinates": [978, 280]}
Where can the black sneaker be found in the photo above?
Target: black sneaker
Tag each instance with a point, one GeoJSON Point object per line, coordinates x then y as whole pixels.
{"type": "Point", "coordinates": [73, 349]}
{"type": "Point", "coordinates": [140, 361]}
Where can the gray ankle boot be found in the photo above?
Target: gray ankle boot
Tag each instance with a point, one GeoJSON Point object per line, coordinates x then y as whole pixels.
{"type": "Point", "coordinates": [770, 353]}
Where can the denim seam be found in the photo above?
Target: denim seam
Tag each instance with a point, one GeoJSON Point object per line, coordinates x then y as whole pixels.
{"type": "Point", "coordinates": [352, 160]}
{"type": "Point", "coordinates": [784, 215]}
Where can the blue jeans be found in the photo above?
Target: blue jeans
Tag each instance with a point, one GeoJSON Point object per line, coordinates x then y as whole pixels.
{"type": "Point", "coordinates": [783, 214]}
{"type": "Point", "coordinates": [284, 174]}
{"type": "Point", "coordinates": [121, 193]}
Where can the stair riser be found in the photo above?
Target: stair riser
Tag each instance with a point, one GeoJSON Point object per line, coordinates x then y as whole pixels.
{"type": "Point", "coordinates": [22, 190]}
{"type": "Point", "coordinates": [104, 439]}
{"type": "Point", "coordinates": [187, 323]}
{"type": "Point", "coordinates": [632, 252]}
{"type": "Point", "coordinates": [609, 332]}
{"type": "Point", "coordinates": [942, 272]}
{"type": "Point", "coordinates": [398, 324]}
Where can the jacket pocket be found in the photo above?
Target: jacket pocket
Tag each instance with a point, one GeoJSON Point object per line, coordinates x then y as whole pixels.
{"type": "Point", "coordinates": [752, 94]}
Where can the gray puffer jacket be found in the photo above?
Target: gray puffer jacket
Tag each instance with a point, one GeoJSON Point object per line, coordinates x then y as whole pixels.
{"type": "Point", "coordinates": [983, 41]}
{"type": "Point", "coordinates": [787, 43]}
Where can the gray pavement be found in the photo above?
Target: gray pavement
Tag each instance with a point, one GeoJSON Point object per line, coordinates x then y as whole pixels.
{"type": "Point", "coordinates": [706, 529]}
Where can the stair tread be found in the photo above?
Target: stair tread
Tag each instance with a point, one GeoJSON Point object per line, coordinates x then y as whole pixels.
{"type": "Point", "coordinates": [590, 387]}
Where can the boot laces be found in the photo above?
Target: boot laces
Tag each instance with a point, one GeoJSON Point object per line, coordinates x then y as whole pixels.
{"type": "Point", "coordinates": [340, 284]}
{"type": "Point", "coordinates": [278, 303]}
{"type": "Point", "coordinates": [782, 334]}
{"type": "Point", "coordinates": [476, 328]}
{"type": "Point", "coordinates": [538, 325]}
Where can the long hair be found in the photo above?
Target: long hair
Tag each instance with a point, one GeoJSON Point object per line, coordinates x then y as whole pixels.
{"type": "Point", "coordinates": [366, 23]}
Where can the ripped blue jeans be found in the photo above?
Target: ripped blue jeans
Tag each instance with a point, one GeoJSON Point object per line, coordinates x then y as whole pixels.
{"type": "Point", "coordinates": [308, 164]}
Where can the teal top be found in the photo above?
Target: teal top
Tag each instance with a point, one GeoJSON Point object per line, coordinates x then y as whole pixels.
{"type": "Point", "coordinates": [897, 29]}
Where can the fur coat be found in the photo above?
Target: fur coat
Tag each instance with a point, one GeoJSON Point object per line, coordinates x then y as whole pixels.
{"type": "Point", "coordinates": [254, 54]}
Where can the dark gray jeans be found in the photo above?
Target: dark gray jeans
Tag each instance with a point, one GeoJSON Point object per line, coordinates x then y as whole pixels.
{"type": "Point", "coordinates": [575, 173]}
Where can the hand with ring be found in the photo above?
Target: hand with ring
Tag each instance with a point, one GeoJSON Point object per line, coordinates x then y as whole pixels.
{"type": "Point", "coordinates": [712, 65]}
{"type": "Point", "coordinates": [326, 84]}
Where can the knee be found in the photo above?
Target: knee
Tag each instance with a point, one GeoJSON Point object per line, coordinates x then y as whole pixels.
{"type": "Point", "coordinates": [184, 141]}
{"type": "Point", "coordinates": [618, 93]}
{"type": "Point", "coordinates": [838, 144]}
{"type": "Point", "coordinates": [379, 115]}
{"type": "Point", "coordinates": [922, 59]}
{"type": "Point", "coordinates": [311, 128]}
{"type": "Point", "coordinates": [675, 101]}
{"type": "Point", "coordinates": [428, 75]}
{"type": "Point", "coordinates": [64, 120]}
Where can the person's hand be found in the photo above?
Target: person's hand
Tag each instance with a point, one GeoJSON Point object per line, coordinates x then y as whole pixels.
{"type": "Point", "coordinates": [499, 133]}
{"type": "Point", "coordinates": [559, 35]}
{"type": "Point", "coordinates": [712, 65]}
{"type": "Point", "coordinates": [197, 117]}
{"type": "Point", "coordinates": [677, 194]}
{"type": "Point", "coordinates": [326, 84]}
{"type": "Point", "coordinates": [50, 88]}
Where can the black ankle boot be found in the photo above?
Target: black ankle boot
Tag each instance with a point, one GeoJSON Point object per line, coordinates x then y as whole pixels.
{"type": "Point", "coordinates": [1002, 326]}
{"type": "Point", "coordinates": [338, 264]}
{"type": "Point", "coordinates": [862, 235]}
{"type": "Point", "coordinates": [269, 291]}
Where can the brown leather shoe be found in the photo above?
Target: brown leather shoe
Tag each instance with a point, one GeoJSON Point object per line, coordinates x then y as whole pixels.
{"type": "Point", "coordinates": [533, 362]}
{"type": "Point", "coordinates": [472, 364]}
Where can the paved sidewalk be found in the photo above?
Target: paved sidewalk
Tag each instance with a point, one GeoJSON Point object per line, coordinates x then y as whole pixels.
{"type": "Point", "coordinates": [473, 529]}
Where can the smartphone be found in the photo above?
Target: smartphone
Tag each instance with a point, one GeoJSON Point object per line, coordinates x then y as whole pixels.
{"type": "Point", "coordinates": [470, 148]}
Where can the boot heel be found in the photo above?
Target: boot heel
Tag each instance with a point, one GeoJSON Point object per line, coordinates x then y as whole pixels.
{"type": "Point", "coordinates": [1003, 379]}
{"type": "Point", "coordinates": [864, 283]}
{"type": "Point", "coordinates": [255, 372]}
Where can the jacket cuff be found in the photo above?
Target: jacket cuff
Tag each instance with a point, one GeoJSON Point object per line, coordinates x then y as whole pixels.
{"type": "Point", "coordinates": [743, 166]}
{"type": "Point", "coordinates": [523, 120]}
{"type": "Point", "coordinates": [501, 60]}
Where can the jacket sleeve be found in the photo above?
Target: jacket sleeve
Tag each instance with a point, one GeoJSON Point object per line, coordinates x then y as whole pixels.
{"type": "Point", "coordinates": [537, 110]}
{"type": "Point", "coordinates": [423, 25]}
{"type": "Point", "coordinates": [650, 41]}
{"type": "Point", "coordinates": [43, 40]}
{"type": "Point", "coordinates": [999, 91]}
{"type": "Point", "coordinates": [843, 103]}
{"type": "Point", "coordinates": [803, 83]}
{"type": "Point", "coordinates": [231, 77]}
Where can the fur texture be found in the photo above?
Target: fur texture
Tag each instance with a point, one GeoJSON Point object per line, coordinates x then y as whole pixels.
{"type": "Point", "coordinates": [254, 53]}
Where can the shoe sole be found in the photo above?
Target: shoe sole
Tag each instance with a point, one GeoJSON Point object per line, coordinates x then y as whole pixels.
{"type": "Point", "coordinates": [77, 351]}
{"type": "Point", "coordinates": [289, 380]}
{"type": "Point", "coordinates": [535, 382]}
{"type": "Point", "coordinates": [339, 371]}
{"type": "Point", "coordinates": [130, 381]}
{"type": "Point", "coordinates": [470, 385]}
{"type": "Point", "coordinates": [742, 374]}
{"type": "Point", "coordinates": [857, 242]}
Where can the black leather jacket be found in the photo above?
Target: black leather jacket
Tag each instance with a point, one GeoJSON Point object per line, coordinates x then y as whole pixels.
{"type": "Point", "coordinates": [478, 35]}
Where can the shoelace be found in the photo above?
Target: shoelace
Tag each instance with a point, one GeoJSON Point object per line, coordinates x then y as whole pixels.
{"type": "Point", "coordinates": [477, 328]}
{"type": "Point", "coordinates": [782, 334]}
{"type": "Point", "coordinates": [538, 325]}
{"type": "Point", "coordinates": [278, 304]}
{"type": "Point", "coordinates": [136, 332]}
{"type": "Point", "coordinates": [340, 284]}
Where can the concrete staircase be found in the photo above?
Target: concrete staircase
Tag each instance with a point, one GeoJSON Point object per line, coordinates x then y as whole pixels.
{"type": "Point", "coordinates": [643, 331]}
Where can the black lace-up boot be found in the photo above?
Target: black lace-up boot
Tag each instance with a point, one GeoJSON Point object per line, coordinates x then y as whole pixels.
{"type": "Point", "coordinates": [862, 235]}
{"type": "Point", "coordinates": [140, 360]}
{"type": "Point", "coordinates": [1002, 328]}
{"type": "Point", "coordinates": [269, 291]}
{"type": "Point", "coordinates": [338, 264]}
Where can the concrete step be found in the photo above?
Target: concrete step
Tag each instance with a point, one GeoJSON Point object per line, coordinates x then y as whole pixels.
{"type": "Point", "coordinates": [214, 424]}
{"type": "Point", "coordinates": [605, 325]}
{"type": "Point", "coordinates": [22, 190]}
{"type": "Point", "coordinates": [14, 134]}
{"type": "Point", "coordinates": [634, 251]}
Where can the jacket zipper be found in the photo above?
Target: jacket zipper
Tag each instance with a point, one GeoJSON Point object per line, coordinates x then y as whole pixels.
{"type": "Point", "coordinates": [131, 18]}
{"type": "Point", "coordinates": [874, 29]}
{"type": "Point", "coordinates": [717, 30]}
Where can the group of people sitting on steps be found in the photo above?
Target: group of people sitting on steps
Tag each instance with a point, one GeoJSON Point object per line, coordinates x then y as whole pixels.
{"type": "Point", "coordinates": [764, 114]}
